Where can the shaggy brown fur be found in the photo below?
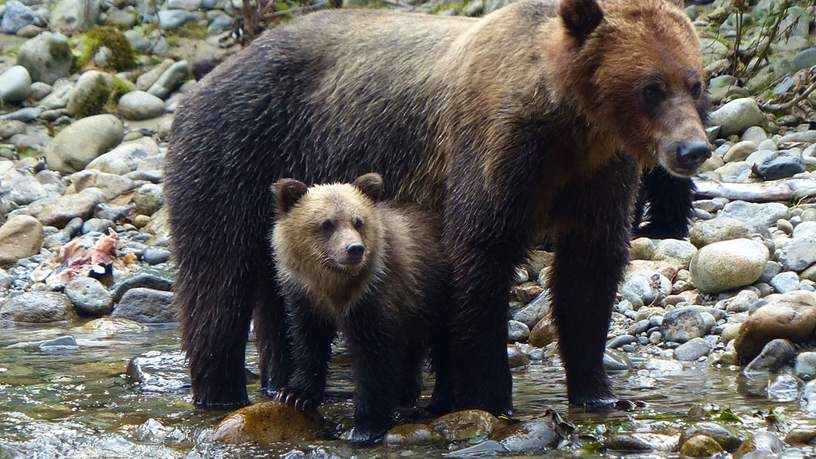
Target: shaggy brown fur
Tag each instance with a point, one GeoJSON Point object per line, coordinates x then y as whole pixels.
{"type": "Point", "coordinates": [504, 126]}
{"type": "Point", "coordinates": [387, 299]}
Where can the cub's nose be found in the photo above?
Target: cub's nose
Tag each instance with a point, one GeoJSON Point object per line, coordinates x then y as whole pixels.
{"type": "Point", "coordinates": [355, 253]}
{"type": "Point", "coordinates": [691, 155]}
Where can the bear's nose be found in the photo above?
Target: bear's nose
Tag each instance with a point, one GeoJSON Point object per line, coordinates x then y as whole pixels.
{"type": "Point", "coordinates": [691, 155]}
{"type": "Point", "coordinates": [355, 252]}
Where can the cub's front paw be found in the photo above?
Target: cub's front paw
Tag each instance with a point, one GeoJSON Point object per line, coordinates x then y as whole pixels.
{"type": "Point", "coordinates": [294, 398]}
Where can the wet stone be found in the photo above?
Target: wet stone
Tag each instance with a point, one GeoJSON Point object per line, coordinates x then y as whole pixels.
{"type": "Point", "coordinates": [535, 311]}
{"type": "Point", "coordinates": [267, 423]}
{"type": "Point", "coordinates": [641, 442]}
{"type": "Point", "coordinates": [516, 357]}
{"type": "Point", "coordinates": [146, 306]}
{"type": "Point", "coordinates": [805, 367]}
{"type": "Point", "coordinates": [616, 361]}
{"type": "Point", "coordinates": [37, 307]}
{"type": "Point", "coordinates": [774, 356]}
{"type": "Point", "coordinates": [700, 446]}
{"type": "Point", "coordinates": [59, 343]}
{"type": "Point", "coordinates": [765, 442]}
{"type": "Point", "coordinates": [517, 331]}
{"type": "Point", "coordinates": [155, 371]}
{"type": "Point", "coordinates": [725, 437]}
{"type": "Point", "coordinates": [155, 256]}
{"type": "Point", "coordinates": [791, 316]}
{"type": "Point", "coordinates": [534, 435]}
{"type": "Point", "coordinates": [784, 388]}
{"type": "Point", "coordinates": [801, 437]}
{"type": "Point", "coordinates": [152, 278]}
{"type": "Point", "coordinates": [412, 435]}
{"type": "Point", "coordinates": [692, 350]}
{"type": "Point", "coordinates": [89, 296]}
{"type": "Point", "coordinates": [621, 340]}
{"type": "Point", "coordinates": [487, 448]}
{"type": "Point", "coordinates": [464, 425]}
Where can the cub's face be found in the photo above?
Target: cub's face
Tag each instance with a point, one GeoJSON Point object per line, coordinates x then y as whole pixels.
{"type": "Point", "coordinates": [644, 76]}
{"type": "Point", "coordinates": [328, 227]}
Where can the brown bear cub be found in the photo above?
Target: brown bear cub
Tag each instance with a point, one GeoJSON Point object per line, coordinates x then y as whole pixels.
{"type": "Point", "coordinates": [375, 271]}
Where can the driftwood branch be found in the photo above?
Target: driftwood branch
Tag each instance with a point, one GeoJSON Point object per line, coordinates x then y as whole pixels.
{"type": "Point", "coordinates": [791, 103]}
{"type": "Point", "coordinates": [775, 190]}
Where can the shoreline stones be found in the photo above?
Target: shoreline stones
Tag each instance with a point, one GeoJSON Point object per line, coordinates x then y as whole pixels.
{"type": "Point", "coordinates": [727, 265]}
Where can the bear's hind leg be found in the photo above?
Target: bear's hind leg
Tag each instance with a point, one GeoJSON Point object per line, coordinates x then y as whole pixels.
{"type": "Point", "coordinates": [270, 333]}
{"type": "Point", "coordinates": [215, 328]}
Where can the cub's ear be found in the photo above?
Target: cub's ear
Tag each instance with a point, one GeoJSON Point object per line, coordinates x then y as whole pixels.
{"type": "Point", "coordinates": [678, 3]}
{"type": "Point", "coordinates": [287, 193]}
{"type": "Point", "coordinates": [580, 17]}
{"type": "Point", "coordinates": [371, 185]}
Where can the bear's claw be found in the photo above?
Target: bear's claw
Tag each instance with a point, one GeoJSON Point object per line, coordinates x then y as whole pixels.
{"type": "Point", "coordinates": [293, 398]}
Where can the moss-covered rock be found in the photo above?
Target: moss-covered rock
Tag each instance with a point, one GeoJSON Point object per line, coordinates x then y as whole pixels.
{"type": "Point", "coordinates": [95, 93]}
{"type": "Point", "coordinates": [87, 44]}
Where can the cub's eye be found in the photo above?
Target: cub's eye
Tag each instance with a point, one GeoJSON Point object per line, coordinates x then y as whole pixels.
{"type": "Point", "coordinates": [327, 226]}
{"type": "Point", "coordinates": [358, 223]}
{"type": "Point", "coordinates": [653, 94]}
{"type": "Point", "coordinates": [697, 90]}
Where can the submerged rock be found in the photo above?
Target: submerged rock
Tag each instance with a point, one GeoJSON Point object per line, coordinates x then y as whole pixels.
{"type": "Point", "coordinates": [412, 435]}
{"type": "Point", "coordinates": [464, 425]}
{"type": "Point", "coordinates": [700, 446]}
{"type": "Point", "coordinates": [791, 316]}
{"type": "Point", "coordinates": [267, 423]}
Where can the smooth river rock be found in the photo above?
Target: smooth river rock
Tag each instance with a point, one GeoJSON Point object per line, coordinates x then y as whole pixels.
{"type": "Point", "coordinates": [727, 265]}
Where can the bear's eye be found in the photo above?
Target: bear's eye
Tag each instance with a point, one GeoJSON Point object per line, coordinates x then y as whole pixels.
{"type": "Point", "coordinates": [697, 90]}
{"type": "Point", "coordinates": [653, 94]}
{"type": "Point", "coordinates": [358, 223]}
{"type": "Point", "coordinates": [327, 226]}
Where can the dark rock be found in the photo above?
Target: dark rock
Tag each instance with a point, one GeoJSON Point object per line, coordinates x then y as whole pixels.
{"type": "Point", "coordinates": [151, 278]}
{"type": "Point", "coordinates": [724, 436]}
{"type": "Point", "coordinates": [37, 307]}
{"type": "Point", "coordinates": [775, 355]}
{"type": "Point", "coordinates": [147, 306]}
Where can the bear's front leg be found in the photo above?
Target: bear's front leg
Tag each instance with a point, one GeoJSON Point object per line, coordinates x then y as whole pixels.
{"type": "Point", "coordinates": [310, 338]}
{"type": "Point", "coordinates": [377, 357]}
{"type": "Point", "coordinates": [592, 220]}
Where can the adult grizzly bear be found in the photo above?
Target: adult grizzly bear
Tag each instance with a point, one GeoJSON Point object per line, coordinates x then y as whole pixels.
{"type": "Point", "coordinates": [510, 126]}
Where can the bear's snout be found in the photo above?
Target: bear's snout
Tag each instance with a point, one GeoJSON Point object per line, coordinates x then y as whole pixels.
{"type": "Point", "coordinates": [354, 253]}
{"type": "Point", "coordinates": [691, 155]}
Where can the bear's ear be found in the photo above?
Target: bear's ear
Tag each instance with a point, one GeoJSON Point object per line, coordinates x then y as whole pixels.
{"type": "Point", "coordinates": [371, 185]}
{"type": "Point", "coordinates": [678, 3]}
{"type": "Point", "coordinates": [580, 17]}
{"type": "Point", "coordinates": [287, 193]}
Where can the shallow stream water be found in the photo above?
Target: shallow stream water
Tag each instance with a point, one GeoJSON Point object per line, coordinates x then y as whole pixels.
{"type": "Point", "coordinates": [80, 403]}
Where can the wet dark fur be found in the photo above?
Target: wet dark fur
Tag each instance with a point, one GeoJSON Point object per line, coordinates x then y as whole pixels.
{"type": "Point", "coordinates": [336, 94]}
{"type": "Point", "coordinates": [670, 205]}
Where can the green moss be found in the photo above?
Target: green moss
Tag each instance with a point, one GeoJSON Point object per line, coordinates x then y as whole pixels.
{"type": "Point", "coordinates": [193, 29]}
{"type": "Point", "coordinates": [59, 50]}
{"type": "Point", "coordinates": [119, 88]}
{"type": "Point", "coordinates": [89, 43]}
{"type": "Point", "coordinates": [96, 100]}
